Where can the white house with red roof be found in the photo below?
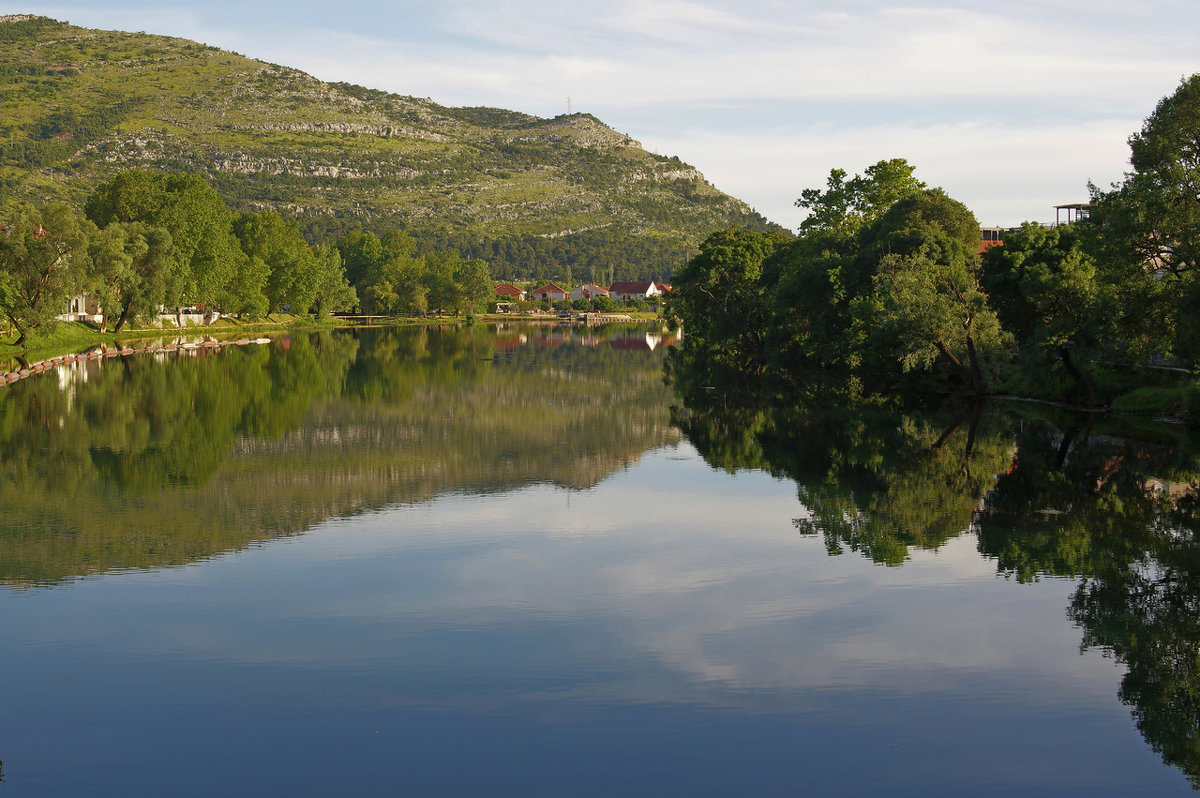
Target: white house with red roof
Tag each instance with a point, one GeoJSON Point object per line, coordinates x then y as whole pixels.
{"type": "Point", "coordinates": [511, 291]}
{"type": "Point", "coordinates": [550, 291]}
{"type": "Point", "coordinates": [633, 290]}
{"type": "Point", "coordinates": [589, 291]}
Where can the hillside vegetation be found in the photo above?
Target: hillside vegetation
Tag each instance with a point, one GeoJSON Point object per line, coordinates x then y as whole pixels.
{"type": "Point", "coordinates": [536, 197]}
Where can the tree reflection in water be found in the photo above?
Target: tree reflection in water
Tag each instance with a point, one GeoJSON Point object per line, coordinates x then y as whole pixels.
{"type": "Point", "coordinates": [1046, 492]}
{"type": "Point", "coordinates": [144, 462]}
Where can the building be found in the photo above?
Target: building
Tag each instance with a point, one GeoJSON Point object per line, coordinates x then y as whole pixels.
{"type": "Point", "coordinates": [550, 291]}
{"type": "Point", "coordinates": [83, 307]}
{"type": "Point", "coordinates": [990, 237]}
{"type": "Point", "coordinates": [589, 291]}
{"type": "Point", "coordinates": [639, 290]}
{"type": "Point", "coordinates": [511, 292]}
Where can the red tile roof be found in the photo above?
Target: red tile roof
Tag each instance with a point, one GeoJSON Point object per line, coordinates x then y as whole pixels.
{"type": "Point", "coordinates": [630, 287]}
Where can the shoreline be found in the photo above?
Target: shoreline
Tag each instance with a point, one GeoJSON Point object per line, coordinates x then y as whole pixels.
{"type": "Point", "coordinates": [81, 343]}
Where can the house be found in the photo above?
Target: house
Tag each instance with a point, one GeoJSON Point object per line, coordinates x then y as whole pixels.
{"type": "Point", "coordinates": [83, 307]}
{"type": "Point", "coordinates": [511, 292]}
{"type": "Point", "coordinates": [990, 237]}
{"type": "Point", "coordinates": [589, 291]}
{"type": "Point", "coordinates": [550, 291]}
{"type": "Point", "coordinates": [640, 290]}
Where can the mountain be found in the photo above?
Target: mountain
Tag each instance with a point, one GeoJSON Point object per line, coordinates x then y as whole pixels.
{"type": "Point", "coordinates": [533, 194]}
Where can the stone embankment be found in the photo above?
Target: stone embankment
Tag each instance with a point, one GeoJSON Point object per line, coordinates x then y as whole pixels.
{"type": "Point", "coordinates": [104, 352]}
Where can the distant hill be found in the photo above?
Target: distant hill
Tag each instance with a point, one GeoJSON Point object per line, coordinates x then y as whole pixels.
{"type": "Point", "coordinates": [537, 197]}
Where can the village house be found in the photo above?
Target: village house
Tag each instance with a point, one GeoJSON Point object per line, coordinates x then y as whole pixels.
{"type": "Point", "coordinates": [511, 292]}
{"type": "Point", "coordinates": [589, 291]}
{"type": "Point", "coordinates": [550, 291]}
{"type": "Point", "coordinates": [629, 290]}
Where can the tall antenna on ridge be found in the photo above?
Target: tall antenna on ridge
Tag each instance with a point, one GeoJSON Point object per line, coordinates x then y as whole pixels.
{"type": "Point", "coordinates": [568, 105]}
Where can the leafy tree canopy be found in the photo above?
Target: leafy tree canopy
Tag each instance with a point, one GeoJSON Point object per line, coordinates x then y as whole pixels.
{"type": "Point", "coordinates": [43, 261]}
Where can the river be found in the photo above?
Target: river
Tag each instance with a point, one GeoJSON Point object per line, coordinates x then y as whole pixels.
{"type": "Point", "coordinates": [510, 561]}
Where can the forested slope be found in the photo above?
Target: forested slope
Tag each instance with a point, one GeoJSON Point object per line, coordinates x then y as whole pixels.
{"type": "Point", "coordinates": [534, 196]}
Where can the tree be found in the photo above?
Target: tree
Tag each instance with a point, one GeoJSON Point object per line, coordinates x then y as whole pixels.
{"type": "Point", "coordinates": [924, 312]}
{"type": "Point", "coordinates": [720, 300]}
{"type": "Point", "coordinates": [334, 292]}
{"type": "Point", "coordinates": [1151, 222]}
{"type": "Point", "coordinates": [474, 278]}
{"type": "Point", "coordinates": [443, 290]}
{"type": "Point", "coordinates": [362, 256]}
{"type": "Point", "coordinates": [925, 305]}
{"type": "Point", "coordinates": [1155, 214]}
{"type": "Point", "coordinates": [811, 278]}
{"type": "Point", "coordinates": [244, 293]}
{"type": "Point", "coordinates": [1074, 315]}
{"type": "Point", "coordinates": [386, 275]}
{"type": "Point", "coordinates": [43, 261]}
{"type": "Point", "coordinates": [292, 270]}
{"type": "Point", "coordinates": [846, 207]}
{"type": "Point", "coordinates": [133, 271]}
{"type": "Point", "coordinates": [212, 266]}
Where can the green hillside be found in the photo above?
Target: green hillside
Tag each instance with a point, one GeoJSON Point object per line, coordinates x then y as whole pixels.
{"type": "Point", "coordinates": [79, 105]}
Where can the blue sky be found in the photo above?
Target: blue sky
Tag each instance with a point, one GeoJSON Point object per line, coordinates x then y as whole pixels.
{"type": "Point", "coordinates": [1011, 107]}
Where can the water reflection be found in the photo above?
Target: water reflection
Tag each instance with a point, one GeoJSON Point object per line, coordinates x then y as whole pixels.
{"type": "Point", "coordinates": [146, 461]}
{"type": "Point", "coordinates": [1048, 493]}
{"type": "Point", "coordinates": [512, 560]}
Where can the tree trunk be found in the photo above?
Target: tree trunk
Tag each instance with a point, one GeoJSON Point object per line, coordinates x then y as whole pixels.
{"type": "Point", "coordinates": [22, 333]}
{"type": "Point", "coordinates": [1093, 398]}
{"type": "Point", "coordinates": [124, 317]}
{"type": "Point", "coordinates": [977, 381]}
{"type": "Point", "coordinates": [962, 373]}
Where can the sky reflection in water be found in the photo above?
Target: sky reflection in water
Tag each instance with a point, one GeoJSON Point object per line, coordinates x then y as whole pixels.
{"type": "Point", "coordinates": [665, 631]}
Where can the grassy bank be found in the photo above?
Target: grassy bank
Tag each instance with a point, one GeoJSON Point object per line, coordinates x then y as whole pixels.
{"type": "Point", "coordinates": [63, 338]}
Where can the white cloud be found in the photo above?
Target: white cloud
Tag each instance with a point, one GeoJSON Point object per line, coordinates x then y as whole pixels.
{"type": "Point", "coordinates": [1005, 176]}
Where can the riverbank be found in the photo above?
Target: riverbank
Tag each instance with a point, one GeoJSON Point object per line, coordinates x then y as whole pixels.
{"type": "Point", "coordinates": [70, 338]}
{"type": "Point", "coordinates": [64, 338]}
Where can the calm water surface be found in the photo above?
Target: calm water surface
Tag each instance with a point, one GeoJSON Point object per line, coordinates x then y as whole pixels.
{"type": "Point", "coordinates": [487, 562]}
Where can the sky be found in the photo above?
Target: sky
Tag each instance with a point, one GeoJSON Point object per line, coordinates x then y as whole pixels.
{"type": "Point", "coordinates": [1011, 107]}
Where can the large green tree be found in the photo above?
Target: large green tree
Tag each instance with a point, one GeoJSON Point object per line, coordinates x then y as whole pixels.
{"type": "Point", "coordinates": [213, 268]}
{"type": "Point", "coordinates": [293, 272]}
{"type": "Point", "coordinates": [1151, 221]}
{"type": "Point", "coordinates": [1075, 315]}
{"type": "Point", "coordinates": [334, 292]}
{"type": "Point", "coordinates": [720, 299]}
{"type": "Point", "coordinates": [43, 261]}
{"type": "Point", "coordinates": [918, 303]}
{"type": "Point", "coordinates": [133, 271]}
{"type": "Point", "coordinates": [443, 290]}
{"type": "Point", "coordinates": [476, 287]}
{"type": "Point", "coordinates": [813, 279]}
{"type": "Point", "coordinates": [846, 207]}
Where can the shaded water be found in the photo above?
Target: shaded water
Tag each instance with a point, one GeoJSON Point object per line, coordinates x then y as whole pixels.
{"type": "Point", "coordinates": [479, 561]}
